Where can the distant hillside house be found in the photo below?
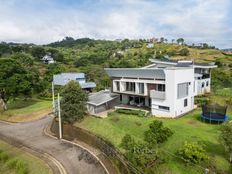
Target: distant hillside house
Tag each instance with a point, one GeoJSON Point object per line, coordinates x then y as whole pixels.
{"type": "Point", "coordinates": [63, 78]}
{"type": "Point", "coordinates": [150, 45]}
{"type": "Point", "coordinates": [48, 59]}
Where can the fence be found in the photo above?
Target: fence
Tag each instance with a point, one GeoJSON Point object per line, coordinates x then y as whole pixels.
{"type": "Point", "coordinates": [110, 152]}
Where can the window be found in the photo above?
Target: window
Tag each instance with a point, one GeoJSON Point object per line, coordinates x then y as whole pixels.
{"type": "Point", "coordinates": [118, 86]}
{"type": "Point", "coordinates": [182, 90]}
{"type": "Point", "coordinates": [164, 108]}
{"type": "Point", "coordinates": [141, 88]}
{"type": "Point", "coordinates": [160, 87]}
{"type": "Point", "coordinates": [130, 86]}
{"type": "Point", "coordinates": [207, 83]}
{"type": "Point", "coordinates": [185, 102]}
{"type": "Point", "coordinates": [203, 84]}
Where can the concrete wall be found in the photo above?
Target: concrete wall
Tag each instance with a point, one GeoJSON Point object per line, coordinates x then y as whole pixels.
{"type": "Point", "coordinates": [176, 106]}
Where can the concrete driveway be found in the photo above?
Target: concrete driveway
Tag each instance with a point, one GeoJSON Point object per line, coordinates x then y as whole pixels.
{"type": "Point", "coordinates": [74, 159]}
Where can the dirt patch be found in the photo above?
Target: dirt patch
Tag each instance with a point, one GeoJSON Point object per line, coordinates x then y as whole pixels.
{"type": "Point", "coordinates": [29, 117]}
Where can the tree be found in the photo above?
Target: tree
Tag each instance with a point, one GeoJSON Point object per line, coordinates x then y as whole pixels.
{"type": "Point", "coordinates": [157, 133]}
{"type": "Point", "coordinates": [38, 52]}
{"type": "Point", "coordinates": [73, 103]}
{"type": "Point", "coordinates": [15, 80]}
{"type": "Point", "coordinates": [226, 137]}
{"type": "Point", "coordinates": [141, 155]}
{"type": "Point", "coordinates": [184, 52]}
{"type": "Point", "coordinates": [162, 39]}
{"type": "Point", "coordinates": [56, 54]}
{"type": "Point", "coordinates": [180, 41]}
{"type": "Point", "coordinates": [193, 152]}
{"type": "Point", "coordinates": [5, 49]}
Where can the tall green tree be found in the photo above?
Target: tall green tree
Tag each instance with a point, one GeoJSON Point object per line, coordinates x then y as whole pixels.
{"type": "Point", "coordinates": [73, 103]}
{"type": "Point", "coordinates": [38, 52]}
{"type": "Point", "coordinates": [16, 80]}
{"type": "Point", "coordinates": [180, 41]}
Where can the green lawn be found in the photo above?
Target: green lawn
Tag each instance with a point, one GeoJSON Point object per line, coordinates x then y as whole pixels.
{"type": "Point", "coordinates": [34, 164]}
{"type": "Point", "coordinates": [21, 110]}
{"type": "Point", "coordinates": [187, 128]}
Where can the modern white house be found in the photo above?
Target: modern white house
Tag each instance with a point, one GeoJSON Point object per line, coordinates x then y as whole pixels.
{"type": "Point", "coordinates": [63, 78]}
{"type": "Point", "coordinates": [167, 88]}
{"type": "Point", "coordinates": [48, 59]}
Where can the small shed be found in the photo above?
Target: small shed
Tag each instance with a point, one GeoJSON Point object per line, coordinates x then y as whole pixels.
{"type": "Point", "coordinates": [102, 101]}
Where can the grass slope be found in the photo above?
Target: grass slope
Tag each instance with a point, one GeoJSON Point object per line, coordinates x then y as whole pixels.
{"type": "Point", "coordinates": [26, 110]}
{"type": "Point", "coordinates": [34, 164]}
{"type": "Point", "coordinates": [187, 128]}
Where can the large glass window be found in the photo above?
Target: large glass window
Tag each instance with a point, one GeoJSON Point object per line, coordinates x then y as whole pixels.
{"type": "Point", "coordinates": [141, 88]}
{"type": "Point", "coordinates": [130, 86]}
{"type": "Point", "coordinates": [182, 90]}
{"type": "Point", "coordinates": [160, 87]}
{"type": "Point", "coordinates": [118, 86]}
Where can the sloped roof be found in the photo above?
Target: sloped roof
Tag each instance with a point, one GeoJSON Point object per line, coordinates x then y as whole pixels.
{"type": "Point", "coordinates": [136, 73]}
{"type": "Point", "coordinates": [63, 78]}
{"type": "Point", "coordinates": [101, 97]}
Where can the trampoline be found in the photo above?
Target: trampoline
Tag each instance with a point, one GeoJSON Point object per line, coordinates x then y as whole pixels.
{"type": "Point", "coordinates": [214, 113]}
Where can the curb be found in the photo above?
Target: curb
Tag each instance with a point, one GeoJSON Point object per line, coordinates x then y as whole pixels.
{"type": "Point", "coordinates": [78, 145]}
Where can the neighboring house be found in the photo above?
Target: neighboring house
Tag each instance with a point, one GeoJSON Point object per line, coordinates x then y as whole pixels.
{"type": "Point", "coordinates": [166, 87]}
{"type": "Point", "coordinates": [63, 78]}
{"type": "Point", "coordinates": [150, 45]}
{"type": "Point", "coordinates": [48, 59]}
{"type": "Point", "coordinates": [102, 101]}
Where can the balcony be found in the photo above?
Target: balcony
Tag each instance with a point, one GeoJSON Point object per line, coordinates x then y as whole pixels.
{"type": "Point", "coordinates": [157, 94]}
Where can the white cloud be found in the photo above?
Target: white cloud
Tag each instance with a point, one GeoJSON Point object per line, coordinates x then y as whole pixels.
{"type": "Point", "coordinates": [196, 21]}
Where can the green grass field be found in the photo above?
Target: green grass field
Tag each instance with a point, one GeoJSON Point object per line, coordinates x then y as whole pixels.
{"type": "Point", "coordinates": [26, 110]}
{"type": "Point", "coordinates": [34, 164]}
{"type": "Point", "coordinates": [187, 128]}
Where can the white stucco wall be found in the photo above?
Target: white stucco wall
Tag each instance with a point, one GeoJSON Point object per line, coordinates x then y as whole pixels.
{"type": "Point", "coordinates": [173, 78]}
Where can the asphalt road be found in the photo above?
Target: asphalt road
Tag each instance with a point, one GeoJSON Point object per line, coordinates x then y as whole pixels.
{"type": "Point", "coordinates": [31, 135]}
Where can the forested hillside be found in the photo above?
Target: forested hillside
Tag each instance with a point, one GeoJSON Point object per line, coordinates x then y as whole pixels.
{"type": "Point", "coordinates": [22, 73]}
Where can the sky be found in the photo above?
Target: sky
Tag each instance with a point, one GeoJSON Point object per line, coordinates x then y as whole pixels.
{"type": "Point", "coordinates": [46, 21]}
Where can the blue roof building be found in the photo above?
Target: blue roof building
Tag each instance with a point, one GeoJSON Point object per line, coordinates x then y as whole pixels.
{"type": "Point", "coordinates": [63, 78]}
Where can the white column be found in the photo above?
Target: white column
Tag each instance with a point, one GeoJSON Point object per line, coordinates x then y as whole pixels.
{"type": "Point", "coordinates": [53, 99]}
{"type": "Point", "coordinates": [59, 115]}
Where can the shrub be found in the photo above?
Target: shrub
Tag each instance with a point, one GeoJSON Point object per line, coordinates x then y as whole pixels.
{"type": "Point", "coordinates": [11, 163]}
{"type": "Point", "coordinates": [201, 101]}
{"type": "Point", "coordinates": [139, 113]}
{"type": "Point", "coordinates": [193, 152]}
{"type": "Point", "coordinates": [3, 157]}
{"type": "Point", "coordinates": [226, 137]}
{"type": "Point", "coordinates": [18, 165]}
{"type": "Point", "coordinates": [184, 52]}
{"type": "Point", "coordinates": [157, 133]}
{"type": "Point", "coordinates": [142, 156]}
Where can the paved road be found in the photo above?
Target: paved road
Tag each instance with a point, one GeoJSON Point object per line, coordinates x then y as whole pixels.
{"type": "Point", "coordinates": [74, 159]}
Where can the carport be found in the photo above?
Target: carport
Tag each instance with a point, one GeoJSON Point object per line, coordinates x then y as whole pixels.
{"type": "Point", "coordinates": [102, 101]}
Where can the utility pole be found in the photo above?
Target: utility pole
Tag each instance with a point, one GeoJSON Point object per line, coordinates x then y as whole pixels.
{"type": "Point", "coordinates": [60, 125]}
{"type": "Point", "coordinates": [53, 99]}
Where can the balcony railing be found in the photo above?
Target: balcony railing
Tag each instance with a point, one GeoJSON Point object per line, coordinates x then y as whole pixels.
{"type": "Point", "coordinates": [157, 94]}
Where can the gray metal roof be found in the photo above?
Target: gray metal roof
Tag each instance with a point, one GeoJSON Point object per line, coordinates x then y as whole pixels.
{"type": "Point", "coordinates": [88, 85]}
{"type": "Point", "coordinates": [183, 63]}
{"type": "Point", "coordinates": [136, 73]}
{"type": "Point", "coordinates": [101, 97]}
{"type": "Point", "coordinates": [63, 78]}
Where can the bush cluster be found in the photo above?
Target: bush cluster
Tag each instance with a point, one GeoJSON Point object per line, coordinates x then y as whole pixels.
{"type": "Point", "coordinates": [193, 153]}
{"type": "Point", "coordinates": [12, 163]}
{"type": "Point", "coordinates": [139, 113]}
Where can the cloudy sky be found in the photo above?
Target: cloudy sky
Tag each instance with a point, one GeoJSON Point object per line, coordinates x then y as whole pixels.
{"type": "Point", "coordinates": [44, 21]}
